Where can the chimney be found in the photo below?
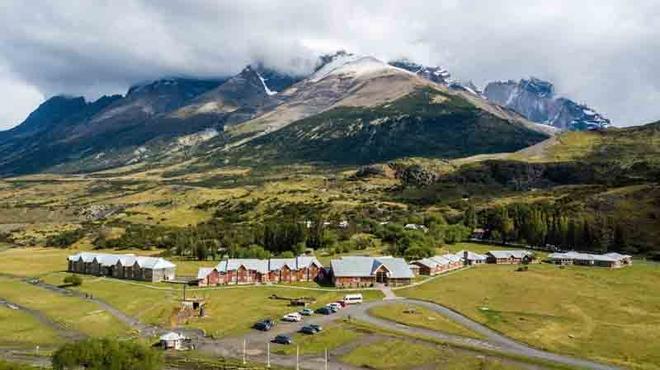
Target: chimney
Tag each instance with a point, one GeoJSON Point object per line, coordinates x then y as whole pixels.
{"type": "Point", "coordinates": [465, 258]}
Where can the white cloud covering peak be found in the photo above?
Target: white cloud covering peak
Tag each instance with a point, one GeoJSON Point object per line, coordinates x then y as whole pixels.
{"type": "Point", "coordinates": [605, 53]}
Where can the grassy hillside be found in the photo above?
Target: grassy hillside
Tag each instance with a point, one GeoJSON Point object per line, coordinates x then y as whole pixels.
{"type": "Point", "coordinates": [425, 123]}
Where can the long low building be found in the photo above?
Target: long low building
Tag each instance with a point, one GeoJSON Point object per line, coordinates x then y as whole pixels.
{"type": "Point", "coordinates": [511, 257]}
{"type": "Point", "coordinates": [612, 260]}
{"type": "Point", "coordinates": [361, 271]}
{"type": "Point", "coordinates": [252, 271]}
{"type": "Point", "coordinates": [448, 262]}
{"type": "Point", "coordinates": [122, 266]}
{"type": "Point", "coordinates": [439, 264]}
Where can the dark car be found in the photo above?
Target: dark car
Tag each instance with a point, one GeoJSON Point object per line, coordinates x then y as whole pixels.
{"type": "Point", "coordinates": [264, 325]}
{"type": "Point", "coordinates": [283, 339]}
{"type": "Point", "coordinates": [308, 330]}
{"type": "Point", "coordinates": [324, 311]}
{"type": "Point", "coordinates": [316, 327]}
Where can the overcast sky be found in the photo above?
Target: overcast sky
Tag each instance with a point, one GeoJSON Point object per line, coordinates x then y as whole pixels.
{"type": "Point", "coordinates": [605, 53]}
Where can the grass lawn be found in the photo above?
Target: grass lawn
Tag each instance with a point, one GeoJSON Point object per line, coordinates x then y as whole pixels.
{"type": "Point", "coordinates": [20, 329]}
{"type": "Point", "coordinates": [37, 261]}
{"type": "Point", "coordinates": [396, 353]}
{"type": "Point", "coordinates": [229, 310]}
{"type": "Point", "coordinates": [331, 337]}
{"type": "Point", "coordinates": [602, 314]}
{"type": "Point", "coordinates": [420, 317]}
{"type": "Point", "coordinates": [70, 312]}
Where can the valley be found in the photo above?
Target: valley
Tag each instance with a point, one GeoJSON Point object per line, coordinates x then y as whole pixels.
{"type": "Point", "coordinates": [359, 158]}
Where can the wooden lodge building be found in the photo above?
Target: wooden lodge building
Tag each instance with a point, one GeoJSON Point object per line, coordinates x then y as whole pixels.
{"type": "Point", "coordinates": [439, 264]}
{"type": "Point", "coordinates": [611, 260]}
{"type": "Point", "coordinates": [122, 266]}
{"type": "Point", "coordinates": [361, 271]}
{"type": "Point", "coordinates": [253, 271]}
{"type": "Point", "coordinates": [512, 257]}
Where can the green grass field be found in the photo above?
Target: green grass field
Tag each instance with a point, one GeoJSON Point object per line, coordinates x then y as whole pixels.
{"type": "Point", "coordinates": [229, 310]}
{"type": "Point", "coordinates": [70, 312]}
{"type": "Point", "coordinates": [418, 316]}
{"type": "Point", "coordinates": [602, 314]}
{"type": "Point", "coordinates": [331, 337]}
{"type": "Point", "coordinates": [394, 353]}
{"type": "Point", "coordinates": [20, 330]}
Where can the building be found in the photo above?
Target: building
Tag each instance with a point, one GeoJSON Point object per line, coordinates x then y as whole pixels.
{"type": "Point", "coordinates": [611, 260]}
{"type": "Point", "coordinates": [511, 257]}
{"type": "Point", "coordinates": [416, 227]}
{"type": "Point", "coordinates": [471, 258]}
{"type": "Point", "coordinates": [439, 264]}
{"type": "Point", "coordinates": [172, 340]}
{"type": "Point", "coordinates": [122, 266]}
{"type": "Point", "coordinates": [477, 234]}
{"type": "Point", "coordinates": [360, 271]}
{"type": "Point", "coordinates": [253, 271]}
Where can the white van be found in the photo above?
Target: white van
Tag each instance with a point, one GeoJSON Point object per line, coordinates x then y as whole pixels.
{"type": "Point", "coordinates": [353, 298]}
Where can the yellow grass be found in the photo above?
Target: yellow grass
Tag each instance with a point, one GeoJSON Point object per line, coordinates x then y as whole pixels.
{"type": "Point", "coordinates": [70, 312]}
{"type": "Point", "coordinates": [20, 329]}
{"type": "Point", "coordinates": [603, 314]}
{"type": "Point", "coordinates": [422, 317]}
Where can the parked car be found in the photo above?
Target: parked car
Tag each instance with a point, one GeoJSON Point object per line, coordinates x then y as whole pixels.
{"type": "Point", "coordinates": [293, 316]}
{"type": "Point", "coordinates": [307, 312]}
{"type": "Point", "coordinates": [308, 330]}
{"type": "Point", "coordinates": [316, 327]}
{"type": "Point", "coordinates": [325, 311]}
{"type": "Point", "coordinates": [335, 307]}
{"type": "Point", "coordinates": [264, 325]}
{"type": "Point", "coordinates": [283, 339]}
{"type": "Point", "coordinates": [341, 303]}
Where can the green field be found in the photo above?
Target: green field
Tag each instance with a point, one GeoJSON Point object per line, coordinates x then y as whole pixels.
{"type": "Point", "coordinates": [229, 310]}
{"type": "Point", "coordinates": [405, 354]}
{"type": "Point", "coordinates": [69, 312]}
{"type": "Point", "coordinates": [20, 329]}
{"type": "Point", "coordinates": [413, 315]}
{"type": "Point", "coordinates": [331, 337]}
{"type": "Point", "coordinates": [602, 314]}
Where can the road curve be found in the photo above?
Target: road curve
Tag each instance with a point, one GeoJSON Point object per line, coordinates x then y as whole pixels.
{"type": "Point", "coordinates": [494, 340]}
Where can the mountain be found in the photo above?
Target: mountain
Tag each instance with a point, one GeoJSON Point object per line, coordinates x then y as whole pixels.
{"type": "Point", "coordinates": [536, 100]}
{"type": "Point", "coordinates": [435, 74]}
{"type": "Point", "coordinates": [357, 109]}
{"type": "Point", "coordinates": [350, 105]}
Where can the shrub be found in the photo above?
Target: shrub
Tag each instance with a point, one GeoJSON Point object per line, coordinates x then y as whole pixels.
{"type": "Point", "coordinates": [106, 353]}
{"type": "Point", "coordinates": [73, 280]}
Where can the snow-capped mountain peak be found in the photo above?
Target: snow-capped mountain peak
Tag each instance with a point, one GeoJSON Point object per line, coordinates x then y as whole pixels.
{"type": "Point", "coordinates": [350, 64]}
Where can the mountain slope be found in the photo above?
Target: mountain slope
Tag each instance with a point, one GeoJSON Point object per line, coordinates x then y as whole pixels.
{"type": "Point", "coordinates": [536, 100]}
{"type": "Point", "coordinates": [426, 122]}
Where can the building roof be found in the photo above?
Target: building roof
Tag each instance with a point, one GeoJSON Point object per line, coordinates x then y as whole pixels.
{"type": "Point", "coordinates": [172, 336]}
{"type": "Point", "coordinates": [471, 256]}
{"type": "Point", "coordinates": [572, 255]}
{"type": "Point", "coordinates": [519, 254]}
{"type": "Point", "coordinates": [261, 266]}
{"type": "Point", "coordinates": [109, 259]}
{"type": "Point", "coordinates": [362, 266]}
{"type": "Point", "coordinates": [203, 272]}
{"type": "Point", "coordinates": [264, 266]}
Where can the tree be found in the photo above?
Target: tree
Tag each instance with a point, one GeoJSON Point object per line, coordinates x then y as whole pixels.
{"type": "Point", "coordinates": [106, 353]}
{"type": "Point", "coordinates": [73, 280]}
{"type": "Point", "coordinates": [470, 218]}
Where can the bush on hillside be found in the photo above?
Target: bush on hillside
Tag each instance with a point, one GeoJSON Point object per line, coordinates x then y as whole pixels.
{"type": "Point", "coordinates": [73, 280]}
{"type": "Point", "coordinates": [106, 353]}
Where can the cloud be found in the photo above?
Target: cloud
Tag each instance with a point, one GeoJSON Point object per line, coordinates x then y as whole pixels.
{"type": "Point", "coordinates": [605, 53]}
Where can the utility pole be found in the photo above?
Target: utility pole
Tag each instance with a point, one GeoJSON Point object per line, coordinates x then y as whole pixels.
{"type": "Point", "coordinates": [268, 355]}
{"type": "Point", "coordinates": [326, 358]}
{"type": "Point", "coordinates": [297, 357]}
{"type": "Point", "coordinates": [184, 292]}
{"type": "Point", "coordinates": [244, 351]}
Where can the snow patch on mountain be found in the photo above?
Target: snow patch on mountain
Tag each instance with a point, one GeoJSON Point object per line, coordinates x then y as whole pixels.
{"type": "Point", "coordinates": [263, 82]}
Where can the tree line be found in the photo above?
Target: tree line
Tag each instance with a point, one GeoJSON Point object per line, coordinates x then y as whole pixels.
{"type": "Point", "coordinates": [545, 225]}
